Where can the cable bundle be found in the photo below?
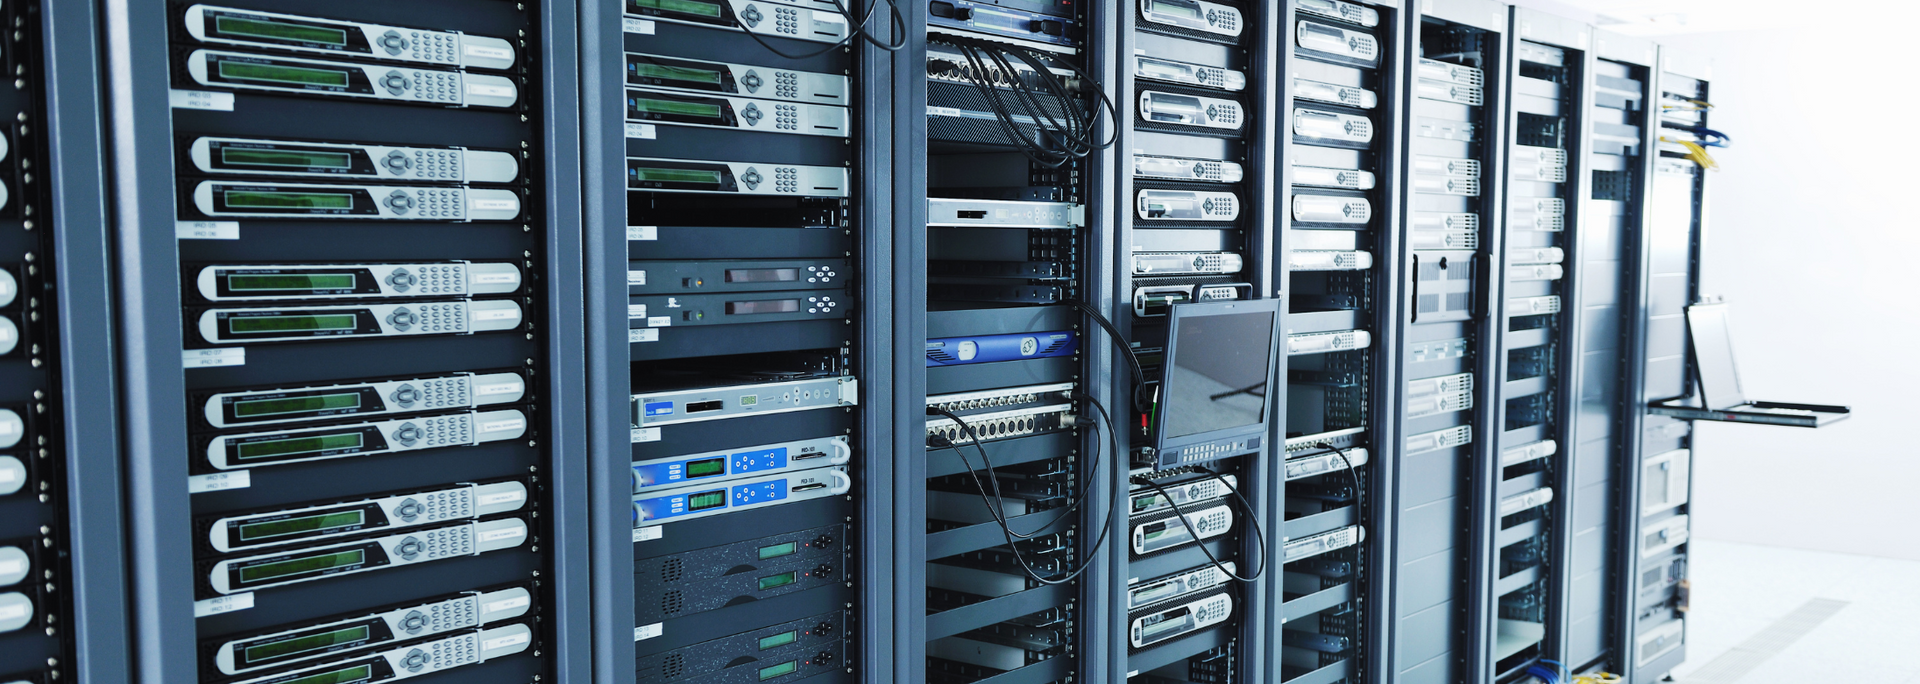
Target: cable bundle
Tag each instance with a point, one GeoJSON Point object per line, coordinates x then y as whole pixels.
{"type": "Point", "coordinates": [1062, 137]}
{"type": "Point", "coordinates": [897, 24]}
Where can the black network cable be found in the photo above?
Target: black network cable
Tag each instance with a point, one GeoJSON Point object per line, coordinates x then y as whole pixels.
{"type": "Point", "coordinates": [1075, 128]}
{"type": "Point", "coordinates": [896, 22]}
{"type": "Point", "coordinates": [1119, 341]}
{"type": "Point", "coordinates": [1259, 535]}
{"type": "Point", "coordinates": [1359, 493]}
{"type": "Point", "coordinates": [999, 517]}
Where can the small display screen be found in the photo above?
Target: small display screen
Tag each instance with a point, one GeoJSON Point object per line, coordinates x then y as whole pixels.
{"type": "Point", "coordinates": [674, 73]}
{"type": "Point", "coordinates": [357, 673]}
{"type": "Point", "coordinates": [282, 282]}
{"type": "Point", "coordinates": [706, 468]}
{"type": "Point", "coordinates": [301, 566]}
{"type": "Point", "coordinates": [1216, 378]}
{"type": "Point", "coordinates": [1319, 31]}
{"type": "Point", "coordinates": [307, 644]}
{"type": "Point", "coordinates": [660, 175]}
{"type": "Point", "coordinates": [765, 306]}
{"type": "Point", "coordinates": [269, 29]}
{"type": "Point", "coordinates": [311, 523]}
{"type": "Point", "coordinates": [706, 500]}
{"type": "Point", "coordinates": [1154, 67]}
{"type": "Point", "coordinates": [778, 550]}
{"type": "Point", "coordinates": [299, 159]}
{"type": "Point", "coordinates": [762, 275]}
{"type": "Point", "coordinates": [780, 580]}
{"type": "Point", "coordinates": [785, 668]}
{"type": "Point", "coordinates": [257, 408]}
{"type": "Point", "coordinates": [1175, 9]}
{"type": "Point", "coordinates": [299, 445]}
{"type": "Point", "coordinates": [1156, 531]}
{"type": "Point", "coordinates": [275, 73]}
{"type": "Point", "coordinates": [694, 7]}
{"type": "Point", "coordinates": [257, 199]}
{"type": "Point", "coordinates": [1166, 624]}
{"type": "Point", "coordinates": [676, 108]}
{"type": "Point", "coordinates": [1142, 503]}
{"type": "Point", "coordinates": [257, 325]}
{"type": "Point", "coordinates": [779, 640]}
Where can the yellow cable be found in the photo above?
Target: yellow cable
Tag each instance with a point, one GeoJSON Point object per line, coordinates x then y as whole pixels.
{"type": "Point", "coordinates": [1695, 152]}
{"type": "Point", "coordinates": [1597, 678]}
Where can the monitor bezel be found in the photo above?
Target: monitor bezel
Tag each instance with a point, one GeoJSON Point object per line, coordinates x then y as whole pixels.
{"type": "Point", "coordinates": [1164, 444]}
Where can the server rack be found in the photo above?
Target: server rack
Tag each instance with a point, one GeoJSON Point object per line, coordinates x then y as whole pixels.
{"type": "Point", "coordinates": [1608, 227]}
{"type": "Point", "coordinates": [1652, 595]}
{"type": "Point", "coordinates": [1534, 337]}
{"type": "Point", "coordinates": [370, 444]}
{"type": "Point", "coordinates": [1343, 295]}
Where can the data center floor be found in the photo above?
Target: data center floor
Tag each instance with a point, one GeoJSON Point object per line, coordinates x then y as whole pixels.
{"type": "Point", "coordinates": [1750, 601]}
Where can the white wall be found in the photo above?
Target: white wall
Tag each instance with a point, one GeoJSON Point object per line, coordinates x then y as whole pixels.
{"type": "Point", "coordinates": [1814, 236]}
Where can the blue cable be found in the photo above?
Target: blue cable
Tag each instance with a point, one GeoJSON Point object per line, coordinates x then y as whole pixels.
{"type": "Point", "coordinates": [1710, 137]}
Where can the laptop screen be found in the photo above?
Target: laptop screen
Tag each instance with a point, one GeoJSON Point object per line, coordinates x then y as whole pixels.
{"type": "Point", "coordinates": [1713, 356]}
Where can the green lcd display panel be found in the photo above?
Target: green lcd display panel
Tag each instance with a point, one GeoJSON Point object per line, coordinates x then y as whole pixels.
{"type": "Point", "coordinates": [269, 29]}
{"type": "Point", "coordinates": [257, 325]}
{"type": "Point", "coordinates": [706, 500]}
{"type": "Point", "coordinates": [674, 73]}
{"type": "Point", "coordinates": [1148, 501]}
{"type": "Point", "coordinates": [782, 669]}
{"type": "Point", "coordinates": [778, 550]}
{"type": "Point", "coordinates": [268, 199]}
{"type": "Point", "coordinates": [779, 640]}
{"type": "Point", "coordinates": [707, 468]}
{"type": "Point", "coordinates": [267, 572]}
{"type": "Point", "coordinates": [357, 673]}
{"type": "Point", "coordinates": [1188, 11]}
{"type": "Point", "coordinates": [289, 282]}
{"type": "Point", "coordinates": [282, 648]}
{"type": "Point", "coordinates": [293, 446]}
{"type": "Point", "coordinates": [660, 175]}
{"type": "Point", "coordinates": [780, 580]}
{"type": "Point", "coordinates": [675, 108]}
{"type": "Point", "coordinates": [258, 408]}
{"type": "Point", "coordinates": [281, 158]}
{"type": "Point", "coordinates": [320, 522]}
{"type": "Point", "coordinates": [693, 7]}
{"type": "Point", "coordinates": [284, 75]}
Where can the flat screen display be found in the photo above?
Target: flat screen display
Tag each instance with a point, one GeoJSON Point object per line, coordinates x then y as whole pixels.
{"type": "Point", "coordinates": [1217, 377]}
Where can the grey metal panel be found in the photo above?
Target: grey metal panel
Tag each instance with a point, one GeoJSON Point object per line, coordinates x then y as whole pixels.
{"type": "Point", "coordinates": [1427, 633]}
{"type": "Point", "coordinates": [1593, 461]}
{"type": "Point", "coordinates": [1437, 670]}
{"type": "Point", "coordinates": [604, 195]}
{"type": "Point", "coordinates": [153, 441]}
{"type": "Point", "coordinates": [886, 595]}
{"type": "Point", "coordinates": [1590, 550]}
{"type": "Point", "coordinates": [1431, 476]}
{"type": "Point", "coordinates": [1619, 48]}
{"type": "Point", "coordinates": [1541, 27]}
{"type": "Point", "coordinates": [1482, 14]}
{"type": "Point", "coordinates": [1430, 582]}
{"type": "Point", "coordinates": [1586, 638]}
{"type": "Point", "coordinates": [570, 442]}
{"type": "Point", "coordinates": [1424, 531]}
{"type": "Point", "coordinates": [98, 577]}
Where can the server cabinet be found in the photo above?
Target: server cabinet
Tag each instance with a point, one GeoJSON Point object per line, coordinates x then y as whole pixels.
{"type": "Point", "coordinates": [1444, 489]}
{"type": "Point", "coordinates": [1652, 597]}
{"type": "Point", "coordinates": [1340, 186]}
{"type": "Point", "coordinates": [1608, 227]}
{"type": "Point", "coordinates": [352, 226]}
{"type": "Point", "coordinates": [1534, 336]}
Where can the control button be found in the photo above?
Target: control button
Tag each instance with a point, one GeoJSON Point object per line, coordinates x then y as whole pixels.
{"type": "Point", "coordinates": [9, 288]}
{"type": "Point", "coordinates": [13, 475]}
{"type": "Point", "coordinates": [823, 629]}
{"type": "Point", "coordinates": [401, 280]}
{"type": "Point", "coordinates": [752, 178]}
{"type": "Point", "coordinates": [405, 396]}
{"type": "Point", "coordinates": [824, 658]}
{"type": "Point", "coordinates": [823, 542]}
{"type": "Point", "coordinates": [400, 202]}
{"type": "Point", "coordinates": [409, 510]}
{"type": "Point", "coordinates": [413, 622]}
{"type": "Point", "coordinates": [823, 571]}
{"type": "Point", "coordinates": [393, 42]}
{"type": "Point", "coordinates": [12, 428]}
{"type": "Point", "coordinates": [396, 82]}
{"type": "Point", "coordinates": [9, 336]}
{"type": "Point", "coordinates": [402, 319]}
{"type": "Point", "coordinates": [398, 162]}
{"type": "Point", "coordinates": [408, 434]}
{"type": "Point", "coordinates": [409, 548]}
{"type": "Point", "coordinates": [415, 660]}
{"type": "Point", "coordinates": [753, 16]}
{"type": "Point", "coordinates": [14, 565]}
{"type": "Point", "coordinates": [752, 81]}
{"type": "Point", "coordinates": [752, 114]}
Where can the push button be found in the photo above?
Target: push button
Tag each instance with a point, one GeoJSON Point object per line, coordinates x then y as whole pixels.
{"type": "Point", "coordinates": [393, 42]}
{"type": "Point", "coordinates": [408, 434]}
{"type": "Point", "coordinates": [396, 83]}
{"type": "Point", "coordinates": [409, 548]}
{"type": "Point", "coordinates": [413, 622]}
{"type": "Point", "coordinates": [399, 202]}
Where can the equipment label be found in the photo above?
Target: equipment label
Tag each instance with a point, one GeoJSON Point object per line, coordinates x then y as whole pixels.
{"type": "Point", "coordinates": [495, 205]}
{"type": "Point", "coordinates": [505, 641]}
{"type": "Point", "coordinates": [484, 90]}
{"type": "Point", "coordinates": [488, 52]}
{"type": "Point", "coordinates": [206, 230]}
{"type": "Point", "coordinates": [943, 111]}
{"type": "Point", "coordinates": [638, 233]}
{"type": "Point", "coordinates": [640, 131]}
{"type": "Point", "coordinates": [636, 277]}
{"type": "Point", "coordinates": [214, 482]}
{"type": "Point", "coordinates": [643, 335]}
{"type": "Point", "coordinates": [503, 425]}
{"type": "Point", "coordinates": [501, 498]}
{"type": "Point", "coordinates": [636, 311]}
{"type": "Point", "coordinates": [507, 533]}
{"type": "Point", "coordinates": [507, 604]}
{"type": "Point", "coordinates": [641, 534]}
{"type": "Point", "coordinates": [645, 632]}
{"type": "Point", "coordinates": [223, 604]}
{"type": "Point", "coordinates": [639, 435]}
{"type": "Point", "coordinates": [213, 358]}
{"type": "Point", "coordinates": [641, 26]}
{"type": "Point", "coordinates": [659, 321]}
{"type": "Point", "coordinates": [201, 99]}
